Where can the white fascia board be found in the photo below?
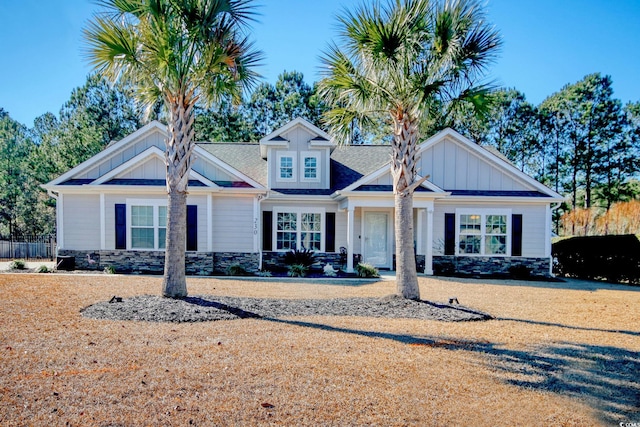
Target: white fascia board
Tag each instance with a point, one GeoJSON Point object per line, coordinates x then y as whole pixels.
{"type": "Point", "coordinates": [293, 123]}
{"type": "Point", "coordinates": [230, 191]}
{"type": "Point", "coordinates": [320, 144]}
{"type": "Point", "coordinates": [110, 150]}
{"type": "Point", "coordinates": [503, 199]}
{"type": "Point", "coordinates": [338, 195]}
{"type": "Point", "coordinates": [517, 174]}
{"type": "Point", "coordinates": [110, 189]}
{"type": "Point", "coordinates": [128, 189]}
{"type": "Point", "coordinates": [305, 198]}
{"type": "Point", "coordinates": [265, 146]}
{"type": "Point", "coordinates": [380, 173]}
{"type": "Point", "coordinates": [213, 159]}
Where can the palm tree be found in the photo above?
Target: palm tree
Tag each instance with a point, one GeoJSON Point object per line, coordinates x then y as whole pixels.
{"type": "Point", "coordinates": [410, 60]}
{"type": "Point", "coordinates": [181, 52]}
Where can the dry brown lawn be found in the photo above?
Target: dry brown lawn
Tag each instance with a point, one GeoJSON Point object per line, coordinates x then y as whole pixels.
{"type": "Point", "coordinates": [556, 354]}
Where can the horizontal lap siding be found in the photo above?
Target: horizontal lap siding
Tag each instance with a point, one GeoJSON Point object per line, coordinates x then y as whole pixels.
{"type": "Point", "coordinates": [341, 230]}
{"type": "Point", "coordinates": [201, 203]}
{"type": "Point", "coordinates": [81, 221]}
{"type": "Point", "coordinates": [232, 224]}
{"type": "Point", "coordinates": [534, 230]}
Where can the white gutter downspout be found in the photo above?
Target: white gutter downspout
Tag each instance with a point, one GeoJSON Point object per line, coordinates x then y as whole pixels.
{"type": "Point", "coordinates": [59, 219]}
{"type": "Point", "coordinates": [550, 210]}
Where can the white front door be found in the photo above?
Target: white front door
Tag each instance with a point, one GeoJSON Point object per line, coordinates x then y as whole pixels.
{"type": "Point", "coordinates": [376, 239]}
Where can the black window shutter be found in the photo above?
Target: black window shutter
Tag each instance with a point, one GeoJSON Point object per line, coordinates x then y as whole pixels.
{"type": "Point", "coordinates": [267, 231]}
{"type": "Point", "coordinates": [516, 235]}
{"type": "Point", "coordinates": [449, 234]}
{"type": "Point", "coordinates": [121, 226]}
{"type": "Point", "coordinates": [192, 227]}
{"type": "Point", "coordinates": [330, 230]}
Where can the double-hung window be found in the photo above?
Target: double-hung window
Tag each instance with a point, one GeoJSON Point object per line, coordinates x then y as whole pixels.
{"type": "Point", "coordinates": [310, 166]}
{"type": "Point", "coordinates": [298, 228]}
{"type": "Point", "coordinates": [286, 167]}
{"type": "Point", "coordinates": [148, 229]}
{"type": "Point", "coordinates": [483, 232]}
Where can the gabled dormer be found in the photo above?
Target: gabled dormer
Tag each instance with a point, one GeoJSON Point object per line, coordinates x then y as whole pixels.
{"type": "Point", "coordinates": [298, 156]}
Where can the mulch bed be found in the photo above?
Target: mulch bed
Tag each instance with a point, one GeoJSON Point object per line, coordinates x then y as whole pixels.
{"type": "Point", "coordinates": [204, 308]}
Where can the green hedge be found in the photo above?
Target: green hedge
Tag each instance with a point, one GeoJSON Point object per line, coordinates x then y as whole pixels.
{"type": "Point", "coordinates": [612, 258]}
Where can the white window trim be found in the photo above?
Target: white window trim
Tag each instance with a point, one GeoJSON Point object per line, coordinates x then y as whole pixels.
{"type": "Point", "coordinates": [483, 212]}
{"type": "Point", "coordinates": [307, 154]}
{"type": "Point", "coordinates": [155, 203]}
{"type": "Point", "coordinates": [298, 211]}
{"type": "Point", "coordinates": [292, 155]}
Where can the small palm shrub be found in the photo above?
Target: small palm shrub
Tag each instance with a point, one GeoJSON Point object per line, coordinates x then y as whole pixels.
{"type": "Point", "coordinates": [304, 257]}
{"type": "Point", "coordinates": [17, 264]}
{"type": "Point", "coordinates": [298, 270]}
{"type": "Point", "coordinates": [367, 270]}
{"type": "Point", "coordinates": [235, 270]}
{"type": "Point", "coordinates": [264, 273]}
{"type": "Point", "coordinates": [43, 269]}
{"type": "Point", "coordinates": [109, 269]}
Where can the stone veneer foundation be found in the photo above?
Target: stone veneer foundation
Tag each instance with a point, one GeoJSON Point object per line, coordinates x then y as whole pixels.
{"type": "Point", "coordinates": [152, 262]}
{"type": "Point", "coordinates": [210, 263]}
{"type": "Point", "coordinates": [518, 267]}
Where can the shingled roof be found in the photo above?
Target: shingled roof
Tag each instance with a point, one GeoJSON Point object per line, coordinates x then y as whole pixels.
{"type": "Point", "coordinates": [348, 163]}
{"type": "Point", "coordinates": [244, 157]}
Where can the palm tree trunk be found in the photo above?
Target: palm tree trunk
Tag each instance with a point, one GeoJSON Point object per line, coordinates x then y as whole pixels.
{"type": "Point", "coordinates": [406, 274]}
{"type": "Point", "coordinates": [174, 284]}
{"type": "Point", "coordinates": [179, 149]}
{"type": "Point", "coordinates": [403, 172]}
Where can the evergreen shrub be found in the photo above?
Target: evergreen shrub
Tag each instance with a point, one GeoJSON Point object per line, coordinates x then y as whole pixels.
{"type": "Point", "coordinates": [612, 258]}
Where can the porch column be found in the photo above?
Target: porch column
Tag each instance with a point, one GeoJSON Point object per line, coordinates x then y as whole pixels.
{"type": "Point", "coordinates": [350, 240]}
{"type": "Point", "coordinates": [209, 223]}
{"type": "Point", "coordinates": [60, 220]}
{"type": "Point", "coordinates": [420, 237]}
{"type": "Point", "coordinates": [103, 226]}
{"type": "Point", "coordinates": [428, 259]}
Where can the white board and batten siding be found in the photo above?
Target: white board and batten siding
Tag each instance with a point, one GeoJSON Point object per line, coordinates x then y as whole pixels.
{"type": "Point", "coordinates": [298, 147]}
{"type": "Point", "coordinates": [153, 168]}
{"type": "Point", "coordinates": [450, 165]}
{"type": "Point", "coordinates": [122, 156]}
{"type": "Point", "coordinates": [212, 172]}
{"type": "Point", "coordinates": [534, 220]}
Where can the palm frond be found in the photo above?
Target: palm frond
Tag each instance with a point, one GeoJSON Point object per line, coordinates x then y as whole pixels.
{"type": "Point", "coordinates": [407, 57]}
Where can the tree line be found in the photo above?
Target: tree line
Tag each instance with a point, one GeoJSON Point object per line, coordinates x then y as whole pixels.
{"type": "Point", "coordinates": [581, 141]}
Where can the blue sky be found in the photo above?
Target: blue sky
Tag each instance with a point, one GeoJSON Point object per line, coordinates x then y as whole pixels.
{"type": "Point", "coordinates": [547, 44]}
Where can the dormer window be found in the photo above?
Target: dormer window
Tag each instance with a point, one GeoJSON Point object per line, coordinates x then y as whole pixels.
{"type": "Point", "coordinates": [310, 168]}
{"type": "Point", "coordinates": [286, 167]}
{"type": "Point", "coordinates": [310, 165]}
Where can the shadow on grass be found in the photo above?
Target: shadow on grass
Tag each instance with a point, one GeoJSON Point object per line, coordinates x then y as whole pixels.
{"type": "Point", "coordinates": [605, 377]}
{"type": "Point", "coordinates": [576, 328]}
